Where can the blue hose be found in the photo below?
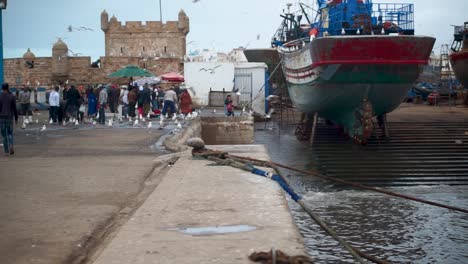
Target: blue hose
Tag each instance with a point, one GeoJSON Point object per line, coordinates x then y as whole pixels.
{"type": "Point", "coordinates": [296, 197]}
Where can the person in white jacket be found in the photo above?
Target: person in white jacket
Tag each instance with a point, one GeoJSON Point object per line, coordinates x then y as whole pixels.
{"type": "Point", "coordinates": [54, 102]}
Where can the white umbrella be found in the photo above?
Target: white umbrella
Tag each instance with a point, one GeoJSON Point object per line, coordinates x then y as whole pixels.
{"type": "Point", "coordinates": [148, 80]}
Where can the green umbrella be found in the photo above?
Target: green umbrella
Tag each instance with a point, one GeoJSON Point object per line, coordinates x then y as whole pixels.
{"type": "Point", "coordinates": [131, 71]}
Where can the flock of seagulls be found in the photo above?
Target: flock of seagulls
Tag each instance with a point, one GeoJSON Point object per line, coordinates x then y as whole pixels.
{"type": "Point", "coordinates": [177, 120]}
{"type": "Point", "coordinates": [141, 121]}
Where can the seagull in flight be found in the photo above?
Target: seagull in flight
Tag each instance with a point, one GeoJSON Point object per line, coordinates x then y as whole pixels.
{"type": "Point", "coordinates": [71, 28]}
{"type": "Point", "coordinates": [211, 71]}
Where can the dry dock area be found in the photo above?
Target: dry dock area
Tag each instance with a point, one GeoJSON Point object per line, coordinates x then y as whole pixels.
{"type": "Point", "coordinates": [207, 214]}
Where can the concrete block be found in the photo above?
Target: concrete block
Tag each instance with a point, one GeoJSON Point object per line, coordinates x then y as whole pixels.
{"type": "Point", "coordinates": [228, 130]}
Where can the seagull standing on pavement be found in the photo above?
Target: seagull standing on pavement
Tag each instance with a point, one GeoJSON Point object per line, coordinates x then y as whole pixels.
{"type": "Point", "coordinates": [43, 128]}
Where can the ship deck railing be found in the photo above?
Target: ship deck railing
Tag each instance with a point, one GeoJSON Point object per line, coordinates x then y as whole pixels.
{"type": "Point", "coordinates": [367, 16]}
{"type": "Point", "coordinates": [294, 45]}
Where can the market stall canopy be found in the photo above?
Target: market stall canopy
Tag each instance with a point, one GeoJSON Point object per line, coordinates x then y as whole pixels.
{"type": "Point", "coordinates": [173, 77]}
{"type": "Point", "coordinates": [148, 80]}
{"type": "Point", "coordinates": [132, 71]}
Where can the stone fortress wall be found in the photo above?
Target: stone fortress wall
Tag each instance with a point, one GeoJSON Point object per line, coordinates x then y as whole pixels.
{"type": "Point", "coordinates": [155, 46]}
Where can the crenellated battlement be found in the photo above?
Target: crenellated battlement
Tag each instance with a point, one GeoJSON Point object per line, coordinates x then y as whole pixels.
{"type": "Point", "coordinates": [115, 26]}
{"type": "Point", "coordinates": [148, 27]}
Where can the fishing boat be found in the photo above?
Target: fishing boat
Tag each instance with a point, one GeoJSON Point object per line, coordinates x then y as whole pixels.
{"type": "Point", "coordinates": [355, 61]}
{"type": "Point", "coordinates": [459, 55]}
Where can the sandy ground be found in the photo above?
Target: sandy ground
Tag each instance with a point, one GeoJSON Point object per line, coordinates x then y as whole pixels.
{"type": "Point", "coordinates": [427, 113]}
{"type": "Point", "coordinates": [65, 184]}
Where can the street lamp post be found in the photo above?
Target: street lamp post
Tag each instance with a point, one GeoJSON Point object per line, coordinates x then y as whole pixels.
{"type": "Point", "coordinates": [3, 5]}
{"type": "Point", "coordinates": [160, 11]}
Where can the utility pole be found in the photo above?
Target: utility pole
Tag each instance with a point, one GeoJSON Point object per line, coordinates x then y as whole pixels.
{"type": "Point", "coordinates": [3, 5]}
{"type": "Point", "coordinates": [160, 11]}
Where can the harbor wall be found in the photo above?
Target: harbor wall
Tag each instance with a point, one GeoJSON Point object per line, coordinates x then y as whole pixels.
{"type": "Point", "coordinates": [80, 72]}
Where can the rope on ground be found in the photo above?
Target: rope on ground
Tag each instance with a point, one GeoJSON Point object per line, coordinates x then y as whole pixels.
{"type": "Point", "coordinates": [221, 158]}
{"type": "Point", "coordinates": [279, 257]}
{"type": "Point", "coordinates": [357, 185]}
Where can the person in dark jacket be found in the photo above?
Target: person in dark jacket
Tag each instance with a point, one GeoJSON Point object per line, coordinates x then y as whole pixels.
{"type": "Point", "coordinates": [7, 113]}
{"type": "Point", "coordinates": [132, 100]}
{"type": "Point", "coordinates": [146, 99]}
{"type": "Point", "coordinates": [73, 103]}
{"type": "Point", "coordinates": [113, 98]}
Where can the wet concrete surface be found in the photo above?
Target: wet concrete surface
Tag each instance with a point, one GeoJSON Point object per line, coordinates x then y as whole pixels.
{"type": "Point", "coordinates": [64, 184]}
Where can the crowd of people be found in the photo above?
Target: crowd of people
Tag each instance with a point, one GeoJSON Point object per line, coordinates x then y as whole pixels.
{"type": "Point", "coordinates": [71, 104]}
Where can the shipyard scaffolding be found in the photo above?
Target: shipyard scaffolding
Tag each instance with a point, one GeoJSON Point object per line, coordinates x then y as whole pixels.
{"type": "Point", "coordinates": [447, 77]}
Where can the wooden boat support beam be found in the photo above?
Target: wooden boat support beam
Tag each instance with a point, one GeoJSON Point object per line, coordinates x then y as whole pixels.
{"type": "Point", "coordinates": [314, 127]}
{"type": "Point", "coordinates": [383, 124]}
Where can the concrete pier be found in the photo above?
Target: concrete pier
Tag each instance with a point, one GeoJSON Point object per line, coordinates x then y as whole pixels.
{"type": "Point", "coordinates": [170, 226]}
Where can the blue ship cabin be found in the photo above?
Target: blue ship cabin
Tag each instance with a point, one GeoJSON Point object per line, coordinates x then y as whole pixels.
{"type": "Point", "coordinates": [351, 17]}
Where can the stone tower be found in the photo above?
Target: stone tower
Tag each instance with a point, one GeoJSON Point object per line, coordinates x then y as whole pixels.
{"type": "Point", "coordinates": [29, 58]}
{"type": "Point", "coordinates": [153, 39]}
{"type": "Point", "coordinates": [104, 21]}
{"type": "Point", "coordinates": [60, 61]}
{"type": "Point", "coordinates": [184, 27]}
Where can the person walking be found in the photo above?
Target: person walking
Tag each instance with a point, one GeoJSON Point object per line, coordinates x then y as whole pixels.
{"type": "Point", "coordinates": [102, 105]}
{"type": "Point", "coordinates": [7, 113]}
{"type": "Point", "coordinates": [132, 100]}
{"type": "Point", "coordinates": [73, 103]}
{"type": "Point", "coordinates": [228, 105]}
{"type": "Point", "coordinates": [154, 98]}
{"type": "Point", "coordinates": [170, 100]}
{"type": "Point", "coordinates": [92, 104]}
{"type": "Point", "coordinates": [146, 99]}
{"type": "Point", "coordinates": [140, 98]}
{"type": "Point", "coordinates": [113, 97]}
{"type": "Point", "coordinates": [124, 101]}
{"type": "Point", "coordinates": [54, 102]}
{"type": "Point", "coordinates": [185, 102]}
{"type": "Point", "coordinates": [25, 102]}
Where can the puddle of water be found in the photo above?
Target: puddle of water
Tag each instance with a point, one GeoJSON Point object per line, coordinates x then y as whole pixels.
{"type": "Point", "coordinates": [214, 230]}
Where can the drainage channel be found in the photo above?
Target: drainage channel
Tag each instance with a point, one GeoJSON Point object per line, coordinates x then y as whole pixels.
{"type": "Point", "coordinates": [416, 154]}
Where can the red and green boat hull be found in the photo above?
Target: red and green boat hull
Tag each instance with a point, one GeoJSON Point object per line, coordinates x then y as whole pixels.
{"type": "Point", "coordinates": [333, 76]}
{"type": "Point", "coordinates": [459, 61]}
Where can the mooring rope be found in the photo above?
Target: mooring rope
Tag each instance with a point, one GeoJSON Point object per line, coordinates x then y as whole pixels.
{"type": "Point", "coordinates": [358, 185]}
{"type": "Point", "coordinates": [281, 180]}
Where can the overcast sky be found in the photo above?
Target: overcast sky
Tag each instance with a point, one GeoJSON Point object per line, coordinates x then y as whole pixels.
{"type": "Point", "coordinates": [218, 24]}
